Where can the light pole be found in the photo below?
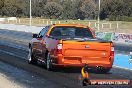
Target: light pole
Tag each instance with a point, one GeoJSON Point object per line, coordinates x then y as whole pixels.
{"type": "Point", "coordinates": [99, 16]}
{"type": "Point", "coordinates": [30, 13]}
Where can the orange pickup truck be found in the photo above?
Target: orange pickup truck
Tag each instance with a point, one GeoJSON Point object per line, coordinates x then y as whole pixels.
{"type": "Point", "coordinates": [70, 45]}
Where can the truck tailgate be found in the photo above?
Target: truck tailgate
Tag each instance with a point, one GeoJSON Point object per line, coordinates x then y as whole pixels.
{"type": "Point", "coordinates": [86, 52]}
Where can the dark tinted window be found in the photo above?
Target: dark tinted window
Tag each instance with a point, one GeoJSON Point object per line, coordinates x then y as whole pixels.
{"type": "Point", "coordinates": [43, 31]}
{"type": "Point", "coordinates": [71, 32]}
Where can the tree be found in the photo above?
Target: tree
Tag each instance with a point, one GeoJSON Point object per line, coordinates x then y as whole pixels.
{"type": "Point", "coordinates": [88, 9]}
{"type": "Point", "coordinates": [9, 11]}
{"type": "Point", "coordinates": [1, 3]}
{"type": "Point", "coordinates": [53, 10]}
{"type": "Point", "coordinates": [69, 10]}
{"type": "Point", "coordinates": [36, 9]}
{"type": "Point", "coordinates": [115, 9]}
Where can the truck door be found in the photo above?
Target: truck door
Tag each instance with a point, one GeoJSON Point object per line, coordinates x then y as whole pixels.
{"type": "Point", "coordinates": [41, 49]}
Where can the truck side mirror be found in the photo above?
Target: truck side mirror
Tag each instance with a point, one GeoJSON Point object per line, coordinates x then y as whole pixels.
{"type": "Point", "coordinates": [47, 35]}
{"type": "Point", "coordinates": [35, 35]}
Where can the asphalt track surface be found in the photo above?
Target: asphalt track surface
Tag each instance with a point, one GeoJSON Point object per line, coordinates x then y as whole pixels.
{"type": "Point", "coordinates": [13, 50]}
{"type": "Point", "coordinates": [20, 78]}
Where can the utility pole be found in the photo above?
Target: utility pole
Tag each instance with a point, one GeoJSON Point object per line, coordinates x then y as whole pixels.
{"type": "Point", "coordinates": [99, 16]}
{"type": "Point", "coordinates": [30, 13]}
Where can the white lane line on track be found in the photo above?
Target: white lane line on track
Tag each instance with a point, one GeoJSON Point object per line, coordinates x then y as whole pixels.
{"type": "Point", "coordinates": [12, 54]}
{"type": "Point", "coordinates": [13, 45]}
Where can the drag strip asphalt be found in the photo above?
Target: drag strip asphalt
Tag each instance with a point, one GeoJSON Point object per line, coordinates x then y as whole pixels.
{"type": "Point", "coordinates": [22, 79]}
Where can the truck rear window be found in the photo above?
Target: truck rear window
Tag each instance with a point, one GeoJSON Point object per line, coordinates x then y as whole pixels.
{"type": "Point", "coordinates": [71, 32]}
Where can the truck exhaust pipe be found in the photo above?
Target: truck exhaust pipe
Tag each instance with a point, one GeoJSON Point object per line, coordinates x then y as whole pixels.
{"type": "Point", "coordinates": [99, 67]}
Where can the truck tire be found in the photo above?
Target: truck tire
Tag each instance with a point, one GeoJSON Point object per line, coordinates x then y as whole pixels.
{"type": "Point", "coordinates": [31, 59]}
{"type": "Point", "coordinates": [49, 66]}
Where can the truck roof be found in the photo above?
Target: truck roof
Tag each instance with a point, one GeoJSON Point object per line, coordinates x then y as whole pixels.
{"type": "Point", "coordinates": [76, 25]}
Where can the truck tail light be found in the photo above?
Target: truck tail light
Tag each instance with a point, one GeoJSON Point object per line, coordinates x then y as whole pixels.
{"type": "Point", "coordinates": [59, 49]}
{"type": "Point", "coordinates": [112, 52]}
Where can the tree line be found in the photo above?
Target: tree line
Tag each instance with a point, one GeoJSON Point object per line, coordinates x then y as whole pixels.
{"type": "Point", "coordinates": [68, 9]}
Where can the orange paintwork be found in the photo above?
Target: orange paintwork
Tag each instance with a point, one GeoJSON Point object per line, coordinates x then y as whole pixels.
{"type": "Point", "coordinates": [75, 53]}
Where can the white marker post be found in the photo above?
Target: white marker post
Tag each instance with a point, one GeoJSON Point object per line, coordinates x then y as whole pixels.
{"type": "Point", "coordinates": [99, 16]}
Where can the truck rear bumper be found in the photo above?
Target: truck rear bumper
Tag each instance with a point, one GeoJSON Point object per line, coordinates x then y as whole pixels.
{"type": "Point", "coordinates": [77, 62]}
{"type": "Point", "coordinates": [81, 65]}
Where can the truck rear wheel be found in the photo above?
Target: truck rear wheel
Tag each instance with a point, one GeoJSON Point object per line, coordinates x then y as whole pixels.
{"type": "Point", "coordinates": [49, 66]}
